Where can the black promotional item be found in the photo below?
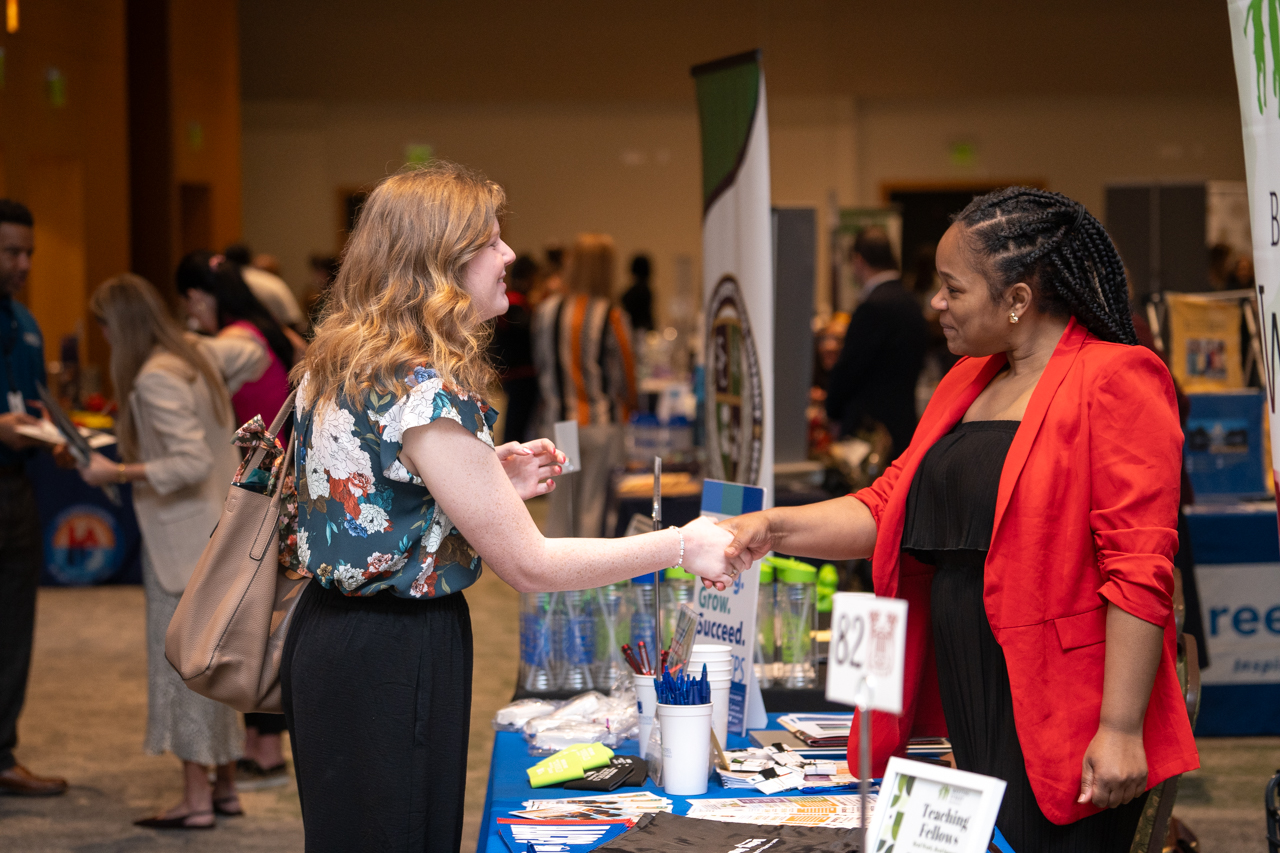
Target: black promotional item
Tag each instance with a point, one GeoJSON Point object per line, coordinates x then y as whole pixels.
{"type": "Point", "coordinates": [621, 770]}
{"type": "Point", "coordinates": [660, 832]}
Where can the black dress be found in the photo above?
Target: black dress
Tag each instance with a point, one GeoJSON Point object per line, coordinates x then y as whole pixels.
{"type": "Point", "coordinates": [950, 514]}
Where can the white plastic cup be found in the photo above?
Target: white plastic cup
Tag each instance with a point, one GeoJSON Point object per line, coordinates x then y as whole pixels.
{"type": "Point", "coordinates": [720, 708]}
{"type": "Point", "coordinates": [712, 675]}
{"type": "Point", "coordinates": [694, 667]}
{"type": "Point", "coordinates": [647, 705]}
{"type": "Point", "coordinates": [705, 649]}
{"type": "Point", "coordinates": [686, 748]}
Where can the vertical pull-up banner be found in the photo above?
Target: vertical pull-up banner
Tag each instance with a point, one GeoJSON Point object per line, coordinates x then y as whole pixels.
{"type": "Point", "coordinates": [737, 288]}
{"type": "Point", "coordinates": [1255, 37]}
{"type": "Point", "coordinates": [737, 269]}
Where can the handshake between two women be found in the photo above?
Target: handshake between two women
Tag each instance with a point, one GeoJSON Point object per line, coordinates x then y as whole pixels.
{"type": "Point", "coordinates": [719, 553]}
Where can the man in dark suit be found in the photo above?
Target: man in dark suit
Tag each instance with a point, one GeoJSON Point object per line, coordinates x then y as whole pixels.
{"type": "Point", "coordinates": [874, 379]}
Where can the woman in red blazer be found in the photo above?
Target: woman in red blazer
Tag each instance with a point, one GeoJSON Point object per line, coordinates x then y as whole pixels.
{"type": "Point", "coordinates": [1031, 524]}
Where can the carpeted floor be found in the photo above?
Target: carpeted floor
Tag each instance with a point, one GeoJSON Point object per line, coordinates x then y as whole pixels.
{"type": "Point", "coordinates": [86, 711]}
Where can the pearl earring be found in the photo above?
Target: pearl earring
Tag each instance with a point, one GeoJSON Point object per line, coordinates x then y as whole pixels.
{"type": "Point", "coordinates": [1013, 318]}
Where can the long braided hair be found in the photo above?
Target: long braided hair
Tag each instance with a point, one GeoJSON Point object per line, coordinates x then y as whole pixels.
{"type": "Point", "coordinates": [1053, 244]}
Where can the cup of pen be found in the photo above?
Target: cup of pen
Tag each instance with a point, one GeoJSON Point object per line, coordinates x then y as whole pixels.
{"type": "Point", "coordinates": [684, 712]}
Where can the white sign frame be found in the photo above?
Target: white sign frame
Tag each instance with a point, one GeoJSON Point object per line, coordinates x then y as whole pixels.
{"type": "Point", "coordinates": [566, 441]}
{"type": "Point", "coordinates": [982, 817]}
{"type": "Point", "coordinates": [867, 654]}
{"type": "Point", "coordinates": [739, 600]}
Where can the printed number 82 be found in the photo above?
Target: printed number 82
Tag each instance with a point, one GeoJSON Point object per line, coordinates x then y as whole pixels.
{"type": "Point", "coordinates": [849, 634]}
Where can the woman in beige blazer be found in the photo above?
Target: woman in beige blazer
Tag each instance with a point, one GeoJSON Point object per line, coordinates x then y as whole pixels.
{"type": "Point", "coordinates": [175, 432]}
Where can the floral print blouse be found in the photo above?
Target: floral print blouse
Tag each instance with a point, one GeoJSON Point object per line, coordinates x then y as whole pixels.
{"type": "Point", "coordinates": [365, 524]}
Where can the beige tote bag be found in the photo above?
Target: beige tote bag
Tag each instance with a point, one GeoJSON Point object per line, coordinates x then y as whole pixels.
{"type": "Point", "coordinates": [227, 635]}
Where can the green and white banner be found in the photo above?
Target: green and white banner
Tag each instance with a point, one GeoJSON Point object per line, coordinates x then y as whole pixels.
{"type": "Point", "coordinates": [1255, 36]}
{"type": "Point", "coordinates": [737, 289]}
{"type": "Point", "coordinates": [737, 269]}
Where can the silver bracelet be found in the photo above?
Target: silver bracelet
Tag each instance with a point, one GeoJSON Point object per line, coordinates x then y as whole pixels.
{"type": "Point", "coordinates": [680, 533]}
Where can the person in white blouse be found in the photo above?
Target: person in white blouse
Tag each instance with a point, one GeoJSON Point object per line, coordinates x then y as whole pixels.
{"type": "Point", "coordinates": [175, 430]}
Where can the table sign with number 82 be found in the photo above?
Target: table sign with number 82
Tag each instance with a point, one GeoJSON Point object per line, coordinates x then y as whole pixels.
{"type": "Point", "coordinates": [868, 641]}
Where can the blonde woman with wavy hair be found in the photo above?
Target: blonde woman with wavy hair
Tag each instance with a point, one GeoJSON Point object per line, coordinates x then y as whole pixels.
{"type": "Point", "coordinates": [400, 495]}
{"type": "Point", "coordinates": [175, 431]}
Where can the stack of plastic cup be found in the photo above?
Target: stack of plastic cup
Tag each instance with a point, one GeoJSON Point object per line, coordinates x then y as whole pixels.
{"type": "Point", "coordinates": [719, 662]}
{"type": "Point", "coordinates": [647, 706]}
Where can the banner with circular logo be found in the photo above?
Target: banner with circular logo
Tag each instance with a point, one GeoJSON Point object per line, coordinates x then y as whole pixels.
{"type": "Point", "coordinates": [735, 432]}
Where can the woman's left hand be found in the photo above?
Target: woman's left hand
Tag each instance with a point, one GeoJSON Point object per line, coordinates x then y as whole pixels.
{"type": "Point", "coordinates": [530, 466]}
{"type": "Point", "coordinates": [100, 470]}
{"type": "Point", "coordinates": [1115, 768]}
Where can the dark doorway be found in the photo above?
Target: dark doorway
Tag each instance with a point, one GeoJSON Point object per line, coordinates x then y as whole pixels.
{"type": "Point", "coordinates": [926, 216]}
{"type": "Point", "coordinates": [195, 217]}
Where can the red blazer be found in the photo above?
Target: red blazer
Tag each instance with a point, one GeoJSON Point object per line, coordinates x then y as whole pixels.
{"type": "Point", "coordinates": [1086, 514]}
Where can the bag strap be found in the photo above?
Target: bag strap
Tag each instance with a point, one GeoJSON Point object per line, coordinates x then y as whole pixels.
{"type": "Point", "coordinates": [285, 464]}
{"type": "Point", "coordinates": [271, 518]}
{"type": "Point", "coordinates": [281, 416]}
{"type": "Point", "coordinates": [257, 455]}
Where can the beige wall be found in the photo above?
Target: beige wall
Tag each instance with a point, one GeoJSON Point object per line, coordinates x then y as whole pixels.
{"type": "Point", "coordinates": [585, 111]}
{"type": "Point", "coordinates": [634, 171]}
{"type": "Point", "coordinates": [1075, 145]}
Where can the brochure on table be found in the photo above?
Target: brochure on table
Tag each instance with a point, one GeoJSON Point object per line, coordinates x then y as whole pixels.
{"type": "Point", "coordinates": [729, 617]}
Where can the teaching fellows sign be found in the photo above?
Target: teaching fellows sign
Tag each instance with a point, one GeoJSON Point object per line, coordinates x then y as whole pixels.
{"type": "Point", "coordinates": [737, 269]}
{"type": "Point", "coordinates": [1255, 36]}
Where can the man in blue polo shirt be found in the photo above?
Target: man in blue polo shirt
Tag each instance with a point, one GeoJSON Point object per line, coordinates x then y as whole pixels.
{"type": "Point", "coordinates": [21, 367]}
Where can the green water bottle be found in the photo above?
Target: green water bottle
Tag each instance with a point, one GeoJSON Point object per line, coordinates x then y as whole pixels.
{"type": "Point", "coordinates": [825, 587]}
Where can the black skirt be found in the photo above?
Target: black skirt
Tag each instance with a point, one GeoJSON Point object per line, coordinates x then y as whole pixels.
{"type": "Point", "coordinates": [950, 515]}
{"type": "Point", "coordinates": [978, 705]}
{"type": "Point", "coordinates": [377, 694]}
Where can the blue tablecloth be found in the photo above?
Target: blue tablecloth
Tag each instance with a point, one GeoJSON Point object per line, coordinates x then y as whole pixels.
{"type": "Point", "coordinates": [87, 539]}
{"type": "Point", "coordinates": [509, 786]}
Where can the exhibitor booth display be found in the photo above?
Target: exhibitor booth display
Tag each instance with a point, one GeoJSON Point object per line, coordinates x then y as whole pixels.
{"type": "Point", "coordinates": [644, 699]}
{"type": "Point", "coordinates": [657, 713]}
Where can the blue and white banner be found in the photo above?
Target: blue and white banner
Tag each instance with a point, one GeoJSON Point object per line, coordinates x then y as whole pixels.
{"type": "Point", "coordinates": [729, 617]}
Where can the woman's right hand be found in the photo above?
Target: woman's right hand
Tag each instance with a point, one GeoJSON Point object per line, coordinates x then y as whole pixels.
{"type": "Point", "coordinates": [753, 537]}
{"type": "Point", "coordinates": [704, 552]}
{"type": "Point", "coordinates": [100, 470]}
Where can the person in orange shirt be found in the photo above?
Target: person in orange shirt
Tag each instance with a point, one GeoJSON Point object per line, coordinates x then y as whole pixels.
{"type": "Point", "coordinates": [586, 373]}
{"type": "Point", "coordinates": [1031, 526]}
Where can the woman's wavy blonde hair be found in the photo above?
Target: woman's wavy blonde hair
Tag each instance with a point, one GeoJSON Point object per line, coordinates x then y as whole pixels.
{"type": "Point", "coordinates": [138, 323]}
{"type": "Point", "coordinates": [398, 300]}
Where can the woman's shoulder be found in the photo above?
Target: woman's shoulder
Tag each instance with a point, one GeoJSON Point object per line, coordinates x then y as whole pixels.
{"type": "Point", "coordinates": [422, 398]}
{"type": "Point", "coordinates": [428, 398]}
{"type": "Point", "coordinates": [1106, 360]}
{"type": "Point", "coordinates": [162, 367]}
{"type": "Point", "coordinates": [242, 330]}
